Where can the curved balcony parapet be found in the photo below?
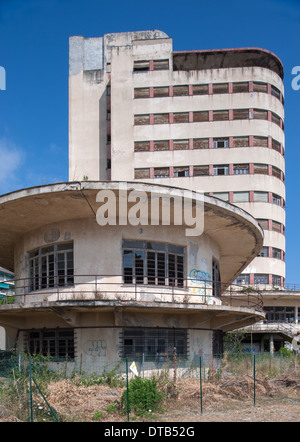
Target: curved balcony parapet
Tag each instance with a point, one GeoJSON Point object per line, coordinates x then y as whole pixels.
{"type": "Point", "coordinates": [139, 288]}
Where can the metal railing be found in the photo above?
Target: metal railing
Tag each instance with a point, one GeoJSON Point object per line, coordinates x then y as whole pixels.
{"type": "Point", "coordinates": [144, 289]}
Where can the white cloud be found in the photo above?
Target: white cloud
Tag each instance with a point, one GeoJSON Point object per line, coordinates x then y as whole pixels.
{"type": "Point", "coordinates": [11, 159]}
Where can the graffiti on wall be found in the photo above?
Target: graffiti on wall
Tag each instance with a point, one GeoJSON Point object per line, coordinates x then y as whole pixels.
{"type": "Point", "coordinates": [201, 281]}
{"type": "Point", "coordinates": [95, 347]}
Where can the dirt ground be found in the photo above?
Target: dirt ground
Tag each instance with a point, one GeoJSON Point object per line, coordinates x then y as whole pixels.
{"type": "Point", "coordinates": [228, 400]}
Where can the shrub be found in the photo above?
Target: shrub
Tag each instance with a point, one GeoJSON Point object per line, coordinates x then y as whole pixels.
{"type": "Point", "coordinates": [143, 396]}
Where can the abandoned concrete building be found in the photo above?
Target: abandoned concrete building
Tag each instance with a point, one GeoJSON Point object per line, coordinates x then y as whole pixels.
{"type": "Point", "coordinates": [101, 271]}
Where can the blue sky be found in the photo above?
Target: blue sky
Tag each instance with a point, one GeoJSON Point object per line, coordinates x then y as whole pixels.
{"type": "Point", "coordinates": [34, 39]}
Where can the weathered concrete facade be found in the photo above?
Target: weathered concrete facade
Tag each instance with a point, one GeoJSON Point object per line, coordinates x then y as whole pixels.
{"type": "Point", "coordinates": [204, 120]}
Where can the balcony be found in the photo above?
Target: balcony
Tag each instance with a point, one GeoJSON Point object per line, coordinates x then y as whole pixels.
{"type": "Point", "coordinates": [113, 289]}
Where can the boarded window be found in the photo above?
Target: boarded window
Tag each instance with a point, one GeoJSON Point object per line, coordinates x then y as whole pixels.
{"type": "Point", "coordinates": [260, 114]}
{"type": "Point", "coordinates": [201, 143]}
{"type": "Point", "coordinates": [181, 144]}
{"type": "Point", "coordinates": [161, 118]}
{"type": "Point", "coordinates": [240, 169]}
{"type": "Point", "coordinates": [276, 172]}
{"type": "Point", "coordinates": [200, 89]}
{"type": "Point", "coordinates": [275, 119]}
{"type": "Point", "coordinates": [221, 88]}
{"type": "Point", "coordinates": [142, 92]}
{"type": "Point", "coordinates": [181, 171]}
{"type": "Point", "coordinates": [141, 146]}
{"type": "Point", "coordinates": [260, 87]}
{"type": "Point", "coordinates": [220, 142]}
{"type": "Point", "coordinates": [140, 120]}
{"type": "Point", "coordinates": [220, 115]}
{"type": "Point", "coordinates": [200, 116]}
{"type": "Point", "coordinates": [276, 226]}
{"type": "Point", "coordinates": [161, 145]}
{"type": "Point", "coordinates": [179, 91]}
{"type": "Point", "coordinates": [240, 197]}
{"type": "Point", "coordinates": [264, 224]}
{"type": "Point", "coordinates": [160, 91]}
{"type": "Point", "coordinates": [260, 141]}
{"type": "Point", "coordinates": [261, 169]}
{"type": "Point", "coordinates": [181, 117]}
{"type": "Point", "coordinates": [276, 145]}
{"type": "Point", "coordinates": [275, 92]}
{"type": "Point", "coordinates": [140, 66]}
{"type": "Point", "coordinates": [240, 87]}
{"type": "Point", "coordinates": [141, 173]}
{"type": "Point", "coordinates": [161, 172]}
{"type": "Point", "coordinates": [201, 170]}
{"type": "Point", "coordinates": [159, 65]}
{"type": "Point", "coordinates": [240, 114]}
{"type": "Point", "coordinates": [240, 141]}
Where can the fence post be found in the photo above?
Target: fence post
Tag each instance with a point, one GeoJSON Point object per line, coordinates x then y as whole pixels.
{"type": "Point", "coordinates": [254, 392]}
{"type": "Point", "coordinates": [201, 384]}
{"type": "Point", "coordinates": [127, 389]}
{"type": "Point", "coordinates": [30, 388]}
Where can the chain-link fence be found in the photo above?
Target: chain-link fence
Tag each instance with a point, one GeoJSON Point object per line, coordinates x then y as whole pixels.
{"type": "Point", "coordinates": [145, 387]}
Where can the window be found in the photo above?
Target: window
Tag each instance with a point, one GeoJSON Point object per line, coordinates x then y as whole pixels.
{"type": "Point", "coordinates": [181, 171]}
{"type": "Point", "coordinates": [240, 197]}
{"type": "Point", "coordinates": [201, 170]}
{"type": "Point", "coordinates": [243, 279]}
{"type": "Point", "coordinates": [276, 253]}
{"type": "Point", "coordinates": [220, 115]}
{"type": "Point", "coordinates": [264, 223]}
{"type": "Point", "coordinates": [155, 344]}
{"type": "Point", "coordinates": [220, 88]}
{"type": "Point", "coordinates": [221, 170]}
{"type": "Point", "coordinates": [141, 66]}
{"type": "Point", "coordinates": [275, 92]}
{"type": "Point", "coordinates": [140, 120]}
{"type": "Point", "coordinates": [180, 144]}
{"type": "Point", "coordinates": [224, 196]}
{"type": "Point", "coordinates": [240, 114]}
{"type": "Point", "coordinates": [200, 89]}
{"type": "Point", "coordinates": [240, 169]}
{"type": "Point", "coordinates": [161, 118]}
{"type": "Point", "coordinates": [261, 197]}
{"type": "Point", "coordinates": [141, 146]}
{"type": "Point", "coordinates": [216, 279]}
{"type": "Point", "coordinates": [276, 226]}
{"type": "Point", "coordinates": [179, 91]}
{"type": "Point", "coordinates": [276, 199]}
{"type": "Point", "coordinates": [143, 92]}
{"type": "Point", "coordinates": [276, 119]}
{"type": "Point", "coordinates": [181, 117]}
{"type": "Point", "coordinates": [220, 142]}
{"type": "Point", "coordinates": [261, 279]}
{"type": "Point", "coordinates": [57, 343]}
{"type": "Point", "coordinates": [240, 141]}
{"type": "Point", "coordinates": [261, 169]}
{"type": "Point", "coordinates": [51, 266]}
{"type": "Point", "coordinates": [153, 263]}
{"type": "Point", "coordinates": [141, 173]}
{"type": "Point", "coordinates": [160, 65]}
{"type": "Point", "coordinates": [161, 91]}
{"type": "Point", "coordinates": [161, 172]}
{"type": "Point", "coordinates": [264, 253]}
{"type": "Point", "coordinates": [240, 87]}
{"type": "Point", "coordinates": [279, 314]}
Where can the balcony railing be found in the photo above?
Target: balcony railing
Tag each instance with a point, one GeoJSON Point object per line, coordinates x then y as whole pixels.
{"type": "Point", "coordinates": [112, 288]}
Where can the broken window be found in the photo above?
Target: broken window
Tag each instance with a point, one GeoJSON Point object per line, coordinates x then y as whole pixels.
{"type": "Point", "coordinates": [58, 343]}
{"type": "Point", "coordinates": [220, 142]}
{"type": "Point", "coordinates": [221, 170]}
{"type": "Point", "coordinates": [181, 171]}
{"type": "Point", "coordinates": [141, 66]}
